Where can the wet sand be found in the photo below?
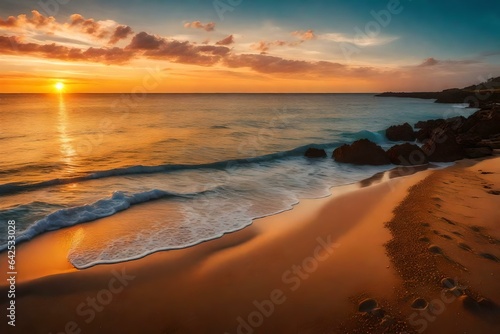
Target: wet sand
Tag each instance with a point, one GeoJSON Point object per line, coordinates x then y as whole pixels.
{"type": "Point", "coordinates": [303, 271]}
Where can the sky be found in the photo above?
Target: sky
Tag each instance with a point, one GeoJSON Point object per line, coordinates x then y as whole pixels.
{"type": "Point", "coordinates": [333, 46]}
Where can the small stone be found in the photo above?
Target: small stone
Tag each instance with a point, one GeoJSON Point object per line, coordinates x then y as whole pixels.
{"type": "Point", "coordinates": [469, 303]}
{"type": "Point", "coordinates": [448, 283]}
{"type": "Point", "coordinates": [367, 305]}
{"type": "Point", "coordinates": [419, 304]}
{"type": "Point", "coordinates": [378, 312]}
{"type": "Point", "coordinates": [435, 249]}
{"type": "Point", "coordinates": [487, 304]}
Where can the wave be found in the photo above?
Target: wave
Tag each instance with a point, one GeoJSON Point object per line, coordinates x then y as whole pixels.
{"type": "Point", "coordinates": [106, 207]}
{"type": "Point", "coordinates": [14, 187]}
{"type": "Point", "coordinates": [219, 127]}
{"type": "Point", "coordinates": [461, 106]}
{"type": "Point", "coordinates": [376, 137]}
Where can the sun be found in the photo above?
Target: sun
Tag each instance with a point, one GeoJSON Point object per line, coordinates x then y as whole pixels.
{"type": "Point", "coordinates": [59, 86]}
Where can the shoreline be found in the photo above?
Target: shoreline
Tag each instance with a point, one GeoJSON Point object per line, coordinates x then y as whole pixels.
{"type": "Point", "coordinates": [262, 245]}
{"type": "Point", "coordinates": [60, 264]}
{"type": "Point", "coordinates": [278, 259]}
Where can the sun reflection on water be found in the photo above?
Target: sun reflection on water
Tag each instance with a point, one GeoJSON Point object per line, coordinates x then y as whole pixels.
{"type": "Point", "coordinates": [66, 147]}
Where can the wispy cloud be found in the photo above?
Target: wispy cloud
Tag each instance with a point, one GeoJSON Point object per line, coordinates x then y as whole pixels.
{"type": "Point", "coordinates": [359, 41]}
{"type": "Point", "coordinates": [304, 35]}
{"type": "Point", "coordinates": [226, 41]}
{"type": "Point", "coordinates": [436, 62]}
{"type": "Point", "coordinates": [210, 26]}
{"type": "Point", "coordinates": [14, 45]}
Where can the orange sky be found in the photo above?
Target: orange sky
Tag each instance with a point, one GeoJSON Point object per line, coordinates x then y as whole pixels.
{"type": "Point", "coordinates": [102, 55]}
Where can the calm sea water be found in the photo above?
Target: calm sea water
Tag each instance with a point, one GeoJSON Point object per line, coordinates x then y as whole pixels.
{"type": "Point", "coordinates": [206, 164]}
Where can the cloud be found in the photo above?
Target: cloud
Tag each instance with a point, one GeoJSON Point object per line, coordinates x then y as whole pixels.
{"type": "Point", "coordinates": [176, 51]}
{"type": "Point", "coordinates": [76, 22]}
{"type": "Point", "coordinates": [304, 35]}
{"type": "Point", "coordinates": [277, 65]}
{"type": "Point", "coordinates": [434, 62]}
{"type": "Point", "coordinates": [145, 41]}
{"type": "Point", "coordinates": [14, 45]}
{"type": "Point", "coordinates": [121, 32]}
{"type": "Point", "coordinates": [10, 22]}
{"type": "Point", "coordinates": [226, 41]}
{"type": "Point", "coordinates": [356, 40]}
{"type": "Point", "coordinates": [88, 26]}
{"type": "Point", "coordinates": [429, 62]}
{"type": "Point", "coordinates": [264, 46]}
{"type": "Point", "coordinates": [210, 26]}
{"type": "Point", "coordinates": [150, 46]}
{"type": "Point", "coordinates": [37, 20]}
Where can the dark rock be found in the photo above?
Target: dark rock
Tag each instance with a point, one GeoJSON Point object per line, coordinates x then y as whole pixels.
{"type": "Point", "coordinates": [426, 128]}
{"type": "Point", "coordinates": [484, 123]}
{"type": "Point", "coordinates": [430, 124]}
{"type": "Point", "coordinates": [443, 147]}
{"type": "Point", "coordinates": [407, 155]}
{"type": "Point", "coordinates": [469, 303]}
{"type": "Point", "coordinates": [435, 249]}
{"type": "Point", "coordinates": [448, 283]}
{"type": "Point", "coordinates": [361, 152]}
{"type": "Point", "coordinates": [486, 304]}
{"type": "Point", "coordinates": [315, 153]}
{"type": "Point", "coordinates": [454, 123]}
{"type": "Point", "coordinates": [493, 144]}
{"type": "Point", "coordinates": [400, 133]}
{"type": "Point", "coordinates": [367, 305]}
{"type": "Point", "coordinates": [479, 152]}
{"type": "Point", "coordinates": [469, 140]}
{"type": "Point", "coordinates": [419, 304]}
{"type": "Point", "coordinates": [378, 312]}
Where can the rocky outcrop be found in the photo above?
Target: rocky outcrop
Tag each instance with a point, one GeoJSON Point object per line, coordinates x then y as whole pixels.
{"type": "Point", "coordinates": [443, 147]}
{"type": "Point", "coordinates": [407, 155]}
{"type": "Point", "coordinates": [483, 123]}
{"type": "Point", "coordinates": [479, 152]}
{"type": "Point", "coordinates": [315, 153]}
{"type": "Point", "coordinates": [361, 152]}
{"type": "Point", "coordinates": [480, 95]}
{"type": "Point", "coordinates": [400, 133]}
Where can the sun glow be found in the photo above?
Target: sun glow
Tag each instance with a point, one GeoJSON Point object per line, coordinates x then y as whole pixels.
{"type": "Point", "coordinates": [59, 86]}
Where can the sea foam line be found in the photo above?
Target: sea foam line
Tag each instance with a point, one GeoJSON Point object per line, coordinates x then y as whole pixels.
{"type": "Point", "coordinates": [106, 207]}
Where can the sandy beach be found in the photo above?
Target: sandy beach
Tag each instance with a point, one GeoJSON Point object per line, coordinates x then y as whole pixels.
{"type": "Point", "coordinates": [355, 262]}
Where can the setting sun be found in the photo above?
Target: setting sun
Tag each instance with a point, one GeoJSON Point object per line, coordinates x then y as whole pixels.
{"type": "Point", "coordinates": [59, 86]}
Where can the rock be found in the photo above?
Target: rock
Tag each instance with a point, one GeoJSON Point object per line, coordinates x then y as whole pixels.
{"type": "Point", "coordinates": [367, 305]}
{"type": "Point", "coordinates": [469, 303]}
{"type": "Point", "coordinates": [491, 143]}
{"type": "Point", "coordinates": [315, 153]}
{"type": "Point", "coordinates": [407, 155]}
{"type": "Point", "coordinates": [448, 283]}
{"type": "Point", "coordinates": [426, 128]}
{"type": "Point", "coordinates": [361, 152]}
{"type": "Point", "coordinates": [430, 124]}
{"type": "Point", "coordinates": [443, 147]}
{"type": "Point", "coordinates": [419, 304]}
{"type": "Point", "coordinates": [484, 123]}
{"type": "Point", "coordinates": [400, 133]}
{"type": "Point", "coordinates": [387, 321]}
{"type": "Point", "coordinates": [469, 140]}
{"type": "Point", "coordinates": [486, 304]}
{"type": "Point", "coordinates": [480, 152]}
{"type": "Point", "coordinates": [435, 249]}
{"type": "Point", "coordinates": [378, 312]}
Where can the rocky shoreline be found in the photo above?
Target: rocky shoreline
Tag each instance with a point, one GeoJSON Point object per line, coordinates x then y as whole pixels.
{"type": "Point", "coordinates": [438, 140]}
{"type": "Point", "coordinates": [482, 95]}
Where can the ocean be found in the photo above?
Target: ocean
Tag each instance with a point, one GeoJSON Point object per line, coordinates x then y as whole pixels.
{"type": "Point", "coordinates": [200, 165]}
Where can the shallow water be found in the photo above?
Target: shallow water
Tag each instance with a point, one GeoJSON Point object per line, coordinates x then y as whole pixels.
{"type": "Point", "coordinates": [212, 162]}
